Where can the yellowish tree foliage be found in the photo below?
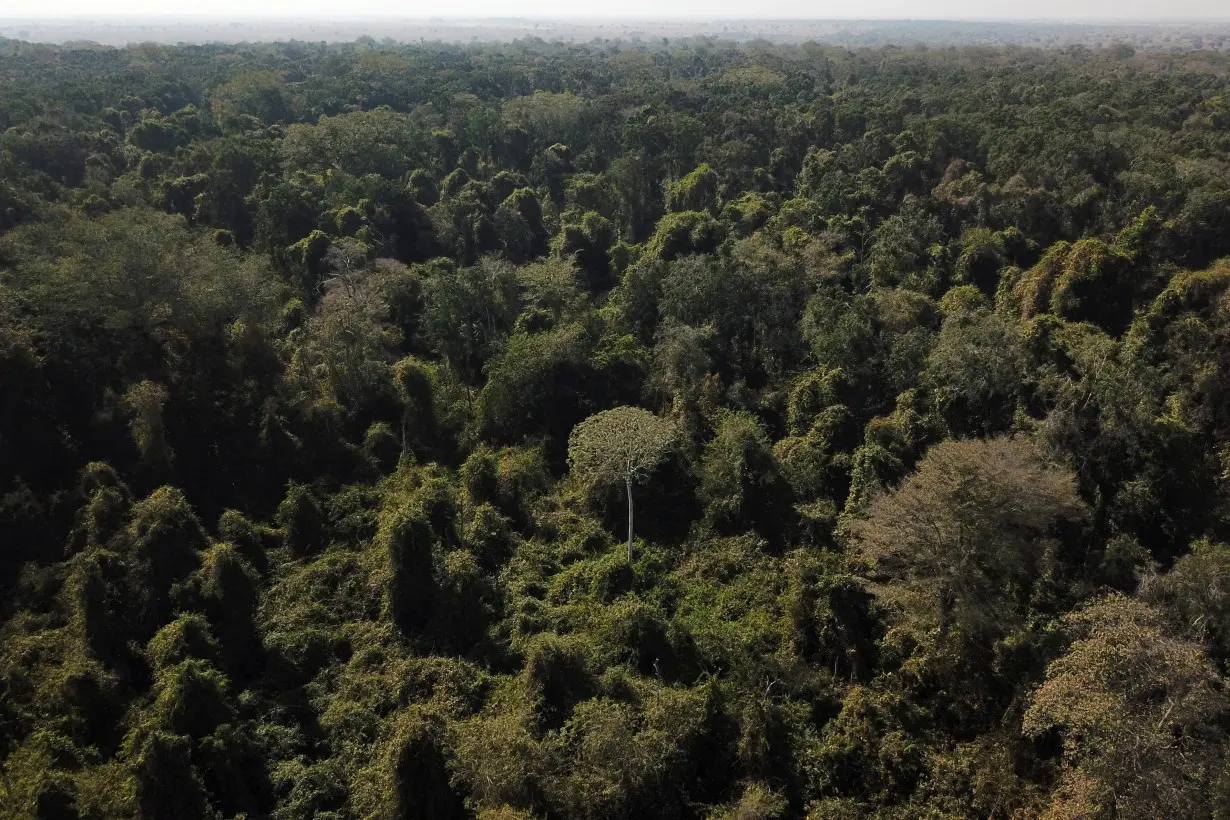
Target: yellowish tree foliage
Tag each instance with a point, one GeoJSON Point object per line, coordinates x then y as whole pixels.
{"type": "Point", "coordinates": [1139, 711]}
{"type": "Point", "coordinates": [144, 402]}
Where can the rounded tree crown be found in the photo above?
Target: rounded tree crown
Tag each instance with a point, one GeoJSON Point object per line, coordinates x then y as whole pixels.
{"type": "Point", "coordinates": [622, 443]}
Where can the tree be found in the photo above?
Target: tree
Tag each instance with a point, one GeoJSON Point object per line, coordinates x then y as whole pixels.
{"type": "Point", "coordinates": [741, 480]}
{"type": "Point", "coordinates": [977, 369]}
{"type": "Point", "coordinates": [144, 402]}
{"type": "Point", "coordinates": [541, 385]}
{"type": "Point", "coordinates": [1196, 594]}
{"type": "Point", "coordinates": [624, 443]}
{"type": "Point", "coordinates": [259, 93]}
{"type": "Point", "coordinates": [588, 241]}
{"type": "Point", "coordinates": [164, 542]}
{"type": "Point", "coordinates": [301, 519]}
{"type": "Point", "coordinates": [407, 539]}
{"type": "Point", "coordinates": [682, 233]}
{"type": "Point", "coordinates": [164, 782]}
{"type": "Point", "coordinates": [1139, 711]}
{"type": "Point", "coordinates": [695, 192]}
{"type": "Point", "coordinates": [361, 142]}
{"type": "Point", "coordinates": [970, 526]}
{"type": "Point", "coordinates": [467, 312]}
{"type": "Point", "coordinates": [420, 771]}
{"type": "Point", "coordinates": [681, 361]}
{"type": "Point", "coordinates": [518, 224]}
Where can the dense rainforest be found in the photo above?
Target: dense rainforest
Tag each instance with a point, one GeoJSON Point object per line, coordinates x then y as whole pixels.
{"type": "Point", "coordinates": [608, 431]}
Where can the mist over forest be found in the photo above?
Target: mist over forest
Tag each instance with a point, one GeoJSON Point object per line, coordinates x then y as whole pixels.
{"type": "Point", "coordinates": [118, 30]}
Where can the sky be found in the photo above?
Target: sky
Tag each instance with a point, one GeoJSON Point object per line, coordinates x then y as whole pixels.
{"type": "Point", "coordinates": [746, 9]}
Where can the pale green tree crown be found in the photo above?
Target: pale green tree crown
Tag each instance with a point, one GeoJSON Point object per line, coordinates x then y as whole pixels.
{"type": "Point", "coordinates": [624, 443]}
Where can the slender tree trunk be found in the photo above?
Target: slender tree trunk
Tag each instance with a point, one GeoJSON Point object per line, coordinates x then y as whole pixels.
{"type": "Point", "coordinates": [946, 601]}
{"type": "Point", "coordinates": [628, 486]}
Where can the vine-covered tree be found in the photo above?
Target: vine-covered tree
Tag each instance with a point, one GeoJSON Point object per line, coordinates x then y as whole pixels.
{"type": "Point", "coordinates": [1139, 710]}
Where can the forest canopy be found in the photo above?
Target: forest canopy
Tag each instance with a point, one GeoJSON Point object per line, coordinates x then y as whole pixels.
{"type": "Point", "coordinates": [544, 430]}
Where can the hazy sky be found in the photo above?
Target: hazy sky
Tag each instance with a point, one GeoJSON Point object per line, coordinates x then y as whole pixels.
{"type": "Point", "coordinates": [910, 9]}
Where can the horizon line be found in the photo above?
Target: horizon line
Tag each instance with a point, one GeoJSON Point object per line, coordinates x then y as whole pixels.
{"type": "Point", "coordinates": [579, 18]}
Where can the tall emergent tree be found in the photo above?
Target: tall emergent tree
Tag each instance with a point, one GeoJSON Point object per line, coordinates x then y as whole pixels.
{"type": "Point", "coordinates": [624, 443]}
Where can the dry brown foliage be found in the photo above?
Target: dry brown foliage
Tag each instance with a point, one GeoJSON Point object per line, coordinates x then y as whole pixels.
{"type": "Point", "coordinates": [970, 528]}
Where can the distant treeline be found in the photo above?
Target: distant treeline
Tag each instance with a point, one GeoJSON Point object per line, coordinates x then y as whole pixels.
{"type": "Point", "coordinates": [1151, 36]}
